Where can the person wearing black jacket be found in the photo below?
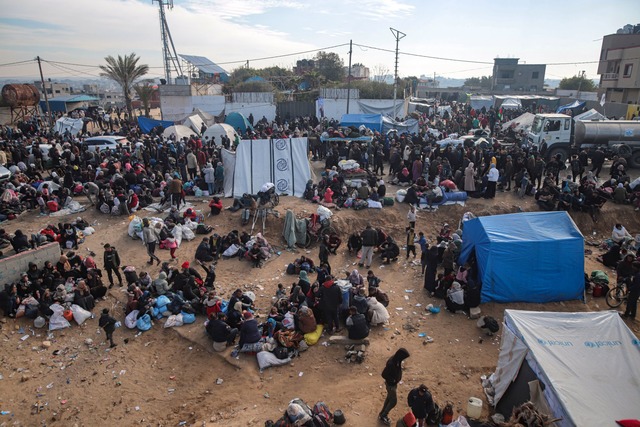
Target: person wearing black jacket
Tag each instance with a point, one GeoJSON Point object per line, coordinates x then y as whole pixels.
{"type": "Point", "coordinates": [108, 323]}
{"type": "Point", "coordinates": [220, 331]}
{"type": "Point", "coordinates": [369, 242]}
{"type": "Point", "coordinates": [421, 403]}
{"type": "Point", "coordinates": [392, 375]}
{"type": "Point", "coordinates": [330, 297]}
{"type": "Point", "coordinates": [357, 325]}
{"type": "Point", "coordinates": [20, 242]}
{"type": "Point", "coordinates": [112, 264]}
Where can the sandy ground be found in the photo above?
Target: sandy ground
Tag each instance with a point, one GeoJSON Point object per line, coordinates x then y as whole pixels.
{"type": "Point", "coordinates": [163, 378]}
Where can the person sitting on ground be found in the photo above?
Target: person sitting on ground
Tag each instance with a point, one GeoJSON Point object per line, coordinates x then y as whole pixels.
{"type": "Point", "coordinates": [255, 255]}
{"type": "Point", "coordinates": [249, 331]}
{"type": "Point", "coordinates": [20, 242]}
{"type": "Point", "coordinates": [377, 293]}
{"type": "Point", "coordinates": [455, 298]}
{"type": "Point", "coordinates": [216, 206]}
{"type": "Point", "coordinates": [619, 234]}
{"type": "Point", "coordinates": [203, 251]}
{"type": "Point", "coordinates": [220, 332]}
{"type": "Point", "coordinates": [306, 321]}
{"type": "Point", "coordinates": [356, 279]}
{"type": "Point", "coordinates": [356, 325]}
{"type": "Point", "coordinates": [372, 280]}
{"type": "Point", "coordinates": [377, 313]}
{"type": "Point", "coordinates": [389, 250]}
{"type": "Point", "coordinates": [234, 315]}
{"type": "Point", "coordinates": [359, 301]}
{"type": "Point", "coordinates": [355, 243]}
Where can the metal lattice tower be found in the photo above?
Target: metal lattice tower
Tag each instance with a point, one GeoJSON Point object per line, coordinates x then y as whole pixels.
{"type": "Point", "coordinates": [171, 62]}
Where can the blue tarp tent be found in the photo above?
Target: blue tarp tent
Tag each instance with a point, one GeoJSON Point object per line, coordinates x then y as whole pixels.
{"type": "Point", "coordinates": [575, 106]}
{"type": "Point", "coordinates": [526, 257]}
{"type": "Point", "coordinates": [370, 121]}
{"type": "Point", "coordinates": [237, 120]}
{"type": "Point", "coordinates": [147, 124]}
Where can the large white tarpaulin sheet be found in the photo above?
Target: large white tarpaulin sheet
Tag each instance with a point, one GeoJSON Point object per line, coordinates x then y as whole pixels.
{"type": "Point", "coordinates": [194, 122]}
{"type": "Point", "coordinates": [588, 362]}
{"type": "Point", "coordinates": [67, 124]}
{"type": "Point", "coordinates": [283, 162]}
{"type": "Point", "coordinates": [410, 125]}
{"type": "Point", "coordinates": [522, 122]}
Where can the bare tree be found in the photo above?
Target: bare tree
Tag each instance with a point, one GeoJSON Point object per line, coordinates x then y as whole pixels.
{"type": "Point", "coordinates": [379, 73]}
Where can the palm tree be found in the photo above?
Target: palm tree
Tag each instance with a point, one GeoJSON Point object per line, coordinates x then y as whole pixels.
{"type": "Point", "coordinates": [124, 71]}
{"type": "Point", "coordinates": [145, 93]}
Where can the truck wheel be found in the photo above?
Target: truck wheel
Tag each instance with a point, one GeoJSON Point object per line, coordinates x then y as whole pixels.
{"type": "Point", "coordinates": [564, 154]}
{"type": "Point", "coordinates": [634, 160]}
{"type": "Point", "coordinates": [624, 151]}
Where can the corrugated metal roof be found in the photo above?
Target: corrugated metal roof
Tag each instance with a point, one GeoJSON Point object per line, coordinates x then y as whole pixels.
{"type": "Point", "coordinates": [203, 64]}
{"type": "Point", "coordinates": [73, 98]}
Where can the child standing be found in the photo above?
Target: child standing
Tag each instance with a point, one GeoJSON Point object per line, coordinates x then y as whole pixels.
{"type": "Point", "coordinates": [411, 216]}
{"type": "Point", "coordinates": [281, 292]}
{"type": "Point", "coordinates": [411, 242]}
{"type": "Point", "coordinates": [41, 203]}
{"type": "Point", "coordinates": [108, 323]}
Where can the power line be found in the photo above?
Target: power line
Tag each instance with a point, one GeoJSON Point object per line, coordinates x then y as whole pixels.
{"type": "Point", "coordinates": [17, 63]}
{"type": "Point", "coordinates": [425, 56]}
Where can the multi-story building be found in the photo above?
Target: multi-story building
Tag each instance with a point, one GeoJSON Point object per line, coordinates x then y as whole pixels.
{"type": "Point", "coordinates": [54, 89]}
{"type": "Point", "coordinates": [358, 72]}
{"type": "Point", "coordinates": [619, 66]}
{"type": "Point", "coordinates": [510, 76]}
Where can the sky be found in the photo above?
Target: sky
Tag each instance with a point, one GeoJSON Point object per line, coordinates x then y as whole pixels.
{"type": "Point", "coordinates": [80, 33]}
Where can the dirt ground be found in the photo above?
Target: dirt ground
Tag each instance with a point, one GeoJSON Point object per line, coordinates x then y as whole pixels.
{"type": "Point", "coordinates": [166, 378]}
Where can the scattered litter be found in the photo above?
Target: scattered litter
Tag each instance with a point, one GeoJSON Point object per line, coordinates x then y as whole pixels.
{"type": "Point", "coordinates": [406, 298]}
{"type": "Point", "coordinates": [428, 340]}
{"type": "Point", "coordinates": [301, 374]}
{"type": "Point", "coordinates": [24, 338]}
{"type": "Point", "coordinates": [399, 308]}
{"type": "Point", "coordinates": [172, 377]}
{"type": "Point", "coordinates": [137, 408]}
{"type": "Point", "coordinates": [422, 334]}
{"type": "Point", "coordinates": [122, 372]}
{"type": "Point", "coordinates": [266, 395]}
{"type": "Point", "coordinates": [62, 402]}
{"type": "Point", "coordinates": [171, 390]}
{"type": "Point", "coordinates": [50, 385]}
{"type": "Point", "coordinates": [418, 305]}
{"type": "Point", "coordinates": [5, 412]}
{"type": "Point", "coordinates": [219, 381]}
{"type": "Point", "coordinates": [409, 291]}
{"type": "Point", "coordinates": [190, 348]}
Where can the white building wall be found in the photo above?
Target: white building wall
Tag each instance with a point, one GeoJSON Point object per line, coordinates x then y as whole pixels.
{"type": "Point", "coordinates": [257, 109]}
{"type": "Point", "coordinates": [335, 108]}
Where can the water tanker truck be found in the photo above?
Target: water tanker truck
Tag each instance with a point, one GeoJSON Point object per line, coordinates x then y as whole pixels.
{"type": "Point", "coordinates": [563, 136]}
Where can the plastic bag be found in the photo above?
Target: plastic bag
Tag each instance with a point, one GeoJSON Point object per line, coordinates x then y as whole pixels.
{"type": "Point", "coordinates": [189, 224]}
{"type": "Point", "coordinates": [57, 320]}
{"type": "Point", "coordinates": [130, 320]}
{"type": "Point", "coordinates": [188, 318]}
{"type": "Point", "coordinates": [187, 233]}
{"type": "Point", "coordinates": [174, 320]}
{"type": "Point", "coordinates": [135, 226]}
{"type": "Point", "coordinates": [324, 213]}
{"type": "Point", "coordinates": [144, 323]}
{"type": "Point", "coordinates": [460, 422]}
{"type": "Point", "coordinates": [80, 314]}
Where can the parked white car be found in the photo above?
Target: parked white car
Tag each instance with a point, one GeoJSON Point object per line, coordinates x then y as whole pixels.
{"type": "Point", "coordinates": [101, 143]}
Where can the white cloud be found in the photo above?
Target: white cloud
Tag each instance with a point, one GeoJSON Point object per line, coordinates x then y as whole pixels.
{"type": "Point", "coordinates": [238, 8]}
{"type": "Point", "coordinates": [382, 9]}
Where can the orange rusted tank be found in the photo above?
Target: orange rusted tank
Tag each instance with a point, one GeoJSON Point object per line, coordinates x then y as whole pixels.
{"type": "Point", "coordinates": [20, 95]}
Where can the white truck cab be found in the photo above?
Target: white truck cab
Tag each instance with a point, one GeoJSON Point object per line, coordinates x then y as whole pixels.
{"type": "Point", "coordinates": [554, 130]}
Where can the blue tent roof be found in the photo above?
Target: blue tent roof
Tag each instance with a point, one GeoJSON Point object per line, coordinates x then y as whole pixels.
{"type": "Point", "coordinates": [575, 105]}
{"type": "Point", "coordinates": [147, 124]}
{"type": "Point", "coordinates": [237, 120]}
{"type": "Point", "coordinates": [371, 121]}
{"type": "Point", "coordinates": [526, 257]}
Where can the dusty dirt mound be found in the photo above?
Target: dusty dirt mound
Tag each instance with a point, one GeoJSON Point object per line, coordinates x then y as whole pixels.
{"type": "Point", "coordinates": [159, 378]}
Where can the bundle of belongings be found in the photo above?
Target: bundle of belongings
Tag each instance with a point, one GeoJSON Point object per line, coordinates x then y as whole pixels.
{"type": "Point", "coordinates": [298, 413]}
{"type": "Point", "coordinates": [170, 231]}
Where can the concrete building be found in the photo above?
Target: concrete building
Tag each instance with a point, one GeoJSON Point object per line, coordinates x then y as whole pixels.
{"type": "Point", "coordinates": [510, 76]}
{"type": "Point", "coordinates": [54, 89]}
{"type": "Point", "coordinates": [619, 67]}
{"type": "Point", "coordinates": [358, 72]}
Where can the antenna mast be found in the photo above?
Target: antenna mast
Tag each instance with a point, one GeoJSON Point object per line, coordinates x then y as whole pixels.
{"type": "Point", "coordinates": [171, 62]}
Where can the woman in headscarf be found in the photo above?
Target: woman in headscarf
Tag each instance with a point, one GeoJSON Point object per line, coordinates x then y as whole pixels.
{"type": "Point", "coordinates": [455, 298]}
{"type": "Point", "coordinates": [416, 169]}
{"type": "Point", "coordinates": [63, 266]}
{"type": "Point", "coordinates": [404, 178]}
{"type": "Point", "coordinates": [611, 257]}
{"type": "Point", "coordinates": [376, 313]}
{"type": "Point", "coordinates": [432, 267]}
{"type": "Point", "coordinates": [83, 297]}
{"type": "Point", "coordinates": [97, 288]}
{"type": "Point", "coordinates": [304, 282]}
{"type": "Point", "coordinates": [469, 178]}
{"type": "Point", "coordinates": [356, 279]}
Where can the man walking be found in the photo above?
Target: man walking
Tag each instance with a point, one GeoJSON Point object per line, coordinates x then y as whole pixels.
{"type": "Point", "coordinates": [632, 297]}
{"type": "Point", "coordinates": [392, 375]}
{"type": "Point", "coordinates": [369, 241]}
{"type": "Point", "coordinates": [330, 300]}
{"type": "Point", "coordinates": [108, 323]}
{"type": "Point", "coordinates": [112, 264]}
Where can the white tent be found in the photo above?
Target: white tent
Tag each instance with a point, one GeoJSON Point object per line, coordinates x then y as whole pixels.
{"type": "Point", "coordinates": [178, 131]}
{"type": "Point", "coordinates": [64, 124]}
{"type": "Point", "coordinates": [592, 114]}
{"type": "Point", "coordinates": [511, 104]}
{"type": "Point", "coordinates": [283, 162]}
{"type": "Point", "coordinates": [218, 130]}
{"type": "Point", "coordinates": [587, 364]}
{"type": "Point", "coordinates": [194, 122]}
{"type": "Point", "coordinates": [522, 122]}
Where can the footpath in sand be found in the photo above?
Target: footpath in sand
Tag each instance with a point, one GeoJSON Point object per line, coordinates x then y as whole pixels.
{"type": "Point", "coordinates": [169, 377]}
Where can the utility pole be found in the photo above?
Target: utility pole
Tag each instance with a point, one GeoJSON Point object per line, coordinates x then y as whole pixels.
{"type": "Point", "coordinates": [349, 75]}
{"type": "Point", "coordinates": [398, 36]}
{"type": "Point", "coordinates": [44, 90]}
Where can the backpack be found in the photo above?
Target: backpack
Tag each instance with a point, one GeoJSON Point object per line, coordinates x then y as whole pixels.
{"type": "Point", "coordinates": [435, 416]}
{"type": "Point", "coordinates": [281, 353]}
{"type": "Point", "coordinates": [321, 409]}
